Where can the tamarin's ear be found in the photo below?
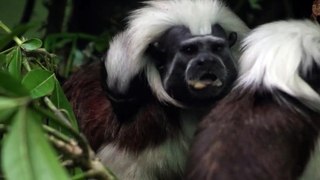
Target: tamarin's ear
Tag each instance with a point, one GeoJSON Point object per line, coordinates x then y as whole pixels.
{"type": "Point", "coordinates": [233, 36]}
{"type": "Point", "coordinates": [157, 53]}
{"type": "Point", "coordinates": [155, 50]}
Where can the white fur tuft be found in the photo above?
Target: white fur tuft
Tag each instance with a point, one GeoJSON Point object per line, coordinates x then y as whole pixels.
{"type": "Point", "coordinates": [275, 52]}
{"type": "Point", "coordinates": [126, 54]}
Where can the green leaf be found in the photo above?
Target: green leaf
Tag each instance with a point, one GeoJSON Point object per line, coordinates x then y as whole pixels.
{"type": "Point", "coordinates": [31, 44]}
{"type": "Point", "coordinates": [3, 58]}
{"type": "Point", "coordinates": [39, 82]}
{"type": "Point", "coordinates": [9, 105]}
{"type": "Point", "coordinates": [100, 44]}
{"type": "Point", "coordinates": [15, 62]}
{"type": "Point", "coordinates": [17, 31]}
{"type": "Point", "coordinates": [5, 115]}
{"type": "Point", "coordinates": [10, 86]}
{"type": "Point", "coordinates": [26, 153]}
{"type": "Point", "coordinates": [60, 100]}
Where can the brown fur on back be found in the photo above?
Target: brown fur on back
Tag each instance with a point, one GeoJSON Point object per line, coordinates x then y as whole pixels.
{"type": "Point", "coordinates": [250, 136]}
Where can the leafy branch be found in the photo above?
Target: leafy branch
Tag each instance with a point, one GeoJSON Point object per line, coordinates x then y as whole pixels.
{"type": "Point", "coordinates": [40, 138]}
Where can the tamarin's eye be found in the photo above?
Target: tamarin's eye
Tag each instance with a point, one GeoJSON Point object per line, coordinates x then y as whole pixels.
{"type": "Point", "coordinates": [189, 49]}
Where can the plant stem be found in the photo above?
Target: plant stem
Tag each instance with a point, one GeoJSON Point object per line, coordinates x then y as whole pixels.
{"type": "Point", "coordinates": [70, 58]}
{"type": "Point", "coordinates": [26, 65]}
{"type": "Point", "coordinates": [79, 138]}
{"type": "Point", "coordinates": [6, 29]}
{"type": "Point", "coordinates": [98, 171]}
{"type": "Point", "coordinates": [7, 50]}
{"type": "Point", "coordinates": [57, 134]}
{"type": "Point", "coordinates": [75, 152]}
{"type": "Point", "coordinates": [56, 111]}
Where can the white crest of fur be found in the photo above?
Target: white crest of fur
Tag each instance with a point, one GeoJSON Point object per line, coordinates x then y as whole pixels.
{"type": "Point", "coordinates": [275, 52]}
{"type": "Point", "coordinates": [126, 57]}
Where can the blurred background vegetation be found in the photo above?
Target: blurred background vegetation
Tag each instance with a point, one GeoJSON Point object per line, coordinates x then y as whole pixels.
{"type": "Point", "coordinates": [98, 16]}
{"type": "Point", "coordinates": [78, 30]}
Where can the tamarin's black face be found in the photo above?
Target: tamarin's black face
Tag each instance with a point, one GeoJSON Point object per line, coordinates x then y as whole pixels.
{"type": "Point", "coordinates": [195, 70]}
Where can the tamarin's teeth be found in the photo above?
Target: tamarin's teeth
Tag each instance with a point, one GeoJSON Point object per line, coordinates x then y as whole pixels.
{"type": "Point", "coordinates": [217, 83]}
{"type": "Point", "coordinates": [199, 85]}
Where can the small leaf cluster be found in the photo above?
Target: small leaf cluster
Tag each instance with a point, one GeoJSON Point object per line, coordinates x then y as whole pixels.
{"type": "Point", "coordinates": [71, 54]}
{"type": "Point", "coordinates": [39, 134]}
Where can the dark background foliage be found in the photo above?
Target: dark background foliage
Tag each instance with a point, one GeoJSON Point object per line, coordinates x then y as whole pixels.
{"type": "Point", "coordinates": [96, 16]}
{"type": "Point", "coordinates": [104, 18]}
{"type": "Point", "coordinates": [79, 30]}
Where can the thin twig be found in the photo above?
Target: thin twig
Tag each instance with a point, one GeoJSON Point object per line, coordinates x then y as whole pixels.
{"type": "Point", "coordinates": [26, 64]}
{"type": "Point", "coordinates": [6, 29]}
{"type": "Point", "coordinates": [68, 148]}
{"type": "Point", "coordinates": [58, 135]}
{"type": "Point", "coordinates": [74, 153]}
{"type": "Point", "coordinates": [70, 58]}
{"type": "Point", "coordinates": [56, 111]}
{"type": "Point", "coordinates": [7, 50]}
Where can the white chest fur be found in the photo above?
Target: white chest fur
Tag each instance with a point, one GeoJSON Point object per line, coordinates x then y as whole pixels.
{"type": "Point", "coordinates": [163, 160]}
{"type": "Point", "coordinates": [311, 171]}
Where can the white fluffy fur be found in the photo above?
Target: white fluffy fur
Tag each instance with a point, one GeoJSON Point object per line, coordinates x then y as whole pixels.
{"type": "Point", "coordinates": [126, 56]}
{"type": "Point", "coordinates": [168, 157]}
{"type": "Point", "coordinates": [311, 171]}
{"type": "Point", "coordinates": [274, 53]}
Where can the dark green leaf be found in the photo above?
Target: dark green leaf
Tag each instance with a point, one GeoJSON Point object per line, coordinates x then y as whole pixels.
{"type": "Point", "coordinates": [39, 82]}
{"type": "Point", "coordinates": [54, 121]}
{"type": "Point", "coordinates": [60, 100]}
{"type": "Point", "coordinates": [100, 44]}
{"type": "Point", "coordinates": [5, 115]}
{"type": "Point", "coordinates": [17, 31]}
{"type": "Point", "coordinates": [15, 62]}
{"type": "Point", "coordinates": [31, 44]}
{"type": "Point", "coordinates": [10, 86]}
{"type": "Point", "coordinates": [26, 153]}
{"type": "Point", "coordinates": [3, 58]}
{"type": "Point", "coordinates": [9, 105]}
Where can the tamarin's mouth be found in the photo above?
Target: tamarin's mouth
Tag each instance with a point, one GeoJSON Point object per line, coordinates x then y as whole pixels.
{"type": "Point", "coordinates": [205, 80]}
